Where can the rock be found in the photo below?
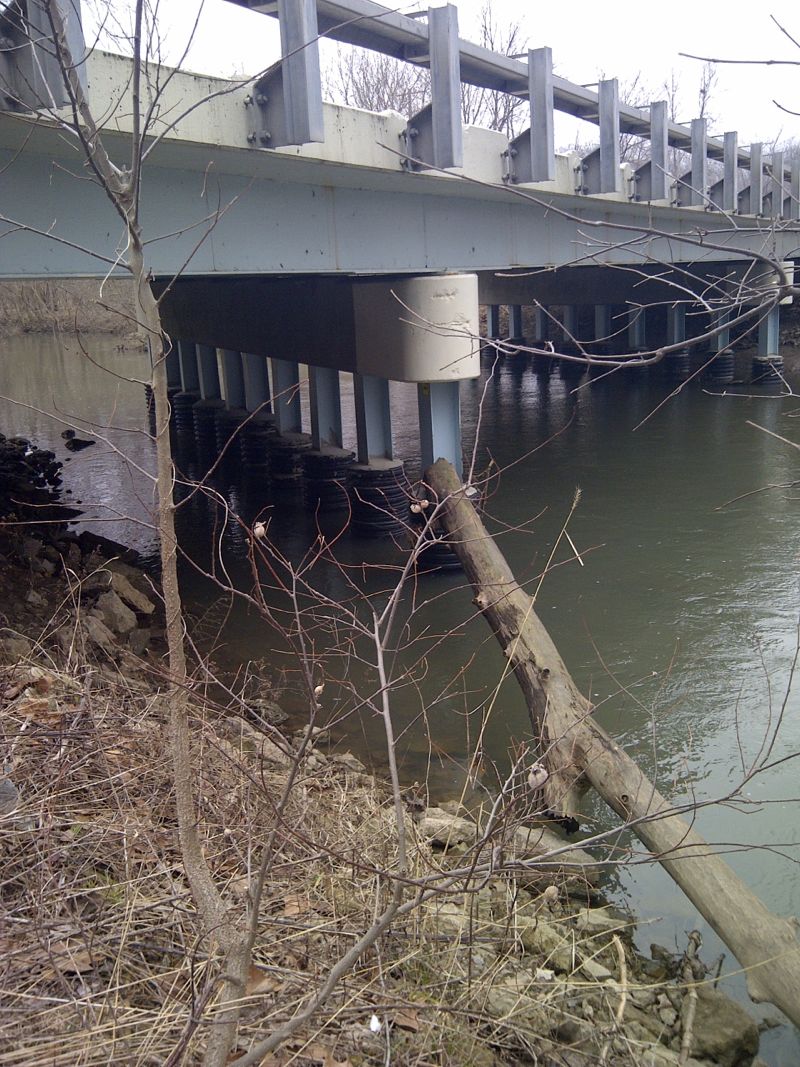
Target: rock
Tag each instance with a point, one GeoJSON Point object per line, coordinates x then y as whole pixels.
{"type": "Point", "coordinates": [553, 940]}
{"type": "Point", "coordinates": [30, 548]}
{"type": "Point", "coordinates": [138, 640]}
{"type": "Point", "coordinates": [36, 600]}
{"type": "Point", "coordinates": [445, 830]}
{"type": "Point", "coordinates": [722, 1031]}
{"type": "Point", "coordinates": [573, 863]}
{"type": "Point", "coordinates": [43, 566]}
{"type": "Point", "coordinates": [96, 582]}
{"type": "Point", "coordinates": [9, 796]}
{"type": "Point", "coordinates": [509, 999]}
{"type": "Point", "coordinates": [131, 595]}
{"type": "Point", "coordinates": [117, 616]}
{"type": "Point", "coordinates": [98, 634]}
{"type": "Point", "coordinates": [605, 920]}
{"type": "Point", "coordinates": [271, 753]}
{"type": "Point", "coordinates": [595, 970]}
{"type": "Point", "coordinates": [14, 648]}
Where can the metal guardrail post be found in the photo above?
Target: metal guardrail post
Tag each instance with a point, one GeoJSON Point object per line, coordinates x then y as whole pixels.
{"type": "Point", "coordinates": [30, 74]}
{"type": "Point", "coordinates": [774, 197]}
{"type": "Point", "coordinates": [791, 209]}
{"type": "Point", "coordinates": [540, 80]}
{"type": "Point", "coordinates": [751, 199]}
{"type": "Point", "coordinates": [659, 143]}
{"type": "Point", "coordinates": [610, 178]}
{"type": "Point", "coordinates": [445, 86]}
{"type": "Point", "coordinates": [302, 85]}
{"type": "Point", "coordinates": [698, 190]}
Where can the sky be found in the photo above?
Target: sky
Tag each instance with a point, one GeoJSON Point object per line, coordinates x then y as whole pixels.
{"type": "Point", "coordinates": [588, 40]}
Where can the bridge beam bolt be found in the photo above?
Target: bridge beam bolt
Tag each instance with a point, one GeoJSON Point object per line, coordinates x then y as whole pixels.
{"type": "Point", "coordinates": [251, 138]}
{"type": "Point", "coordinates": [262, 99]}
{"type": "Point", "coordinates": [248, 101]}
{"type": "Point", "coordinates": [264, 136]}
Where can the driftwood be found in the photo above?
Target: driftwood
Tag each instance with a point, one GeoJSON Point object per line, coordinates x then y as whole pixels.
{"type": "Point", "coordinates": [573, 745]}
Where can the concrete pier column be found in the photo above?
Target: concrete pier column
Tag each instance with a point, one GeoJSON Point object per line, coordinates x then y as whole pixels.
{"type": "Point", "coordinates": [440, 423]}
{"type": "Point", "coordinates": [515, 328]}
{"type": "Point", "coordinates": [231, 377]}
{"type": "Point", "coordinates": [571, 313]}
{"type": "Point", "coordinates": [187, 358]}
{"type": "Point", "coordinates": [373, 418]}
{"type": "Point", "coordinates": [493, 321]}
{"type": "Point", "coordinates": [721, 370]}
{"type": "Point", "coordinates": [233, 413]}
{"type": "Point", "coordinates": [286, 395]}
{"type": "Point", "coordinates": [541, 323]}
{"type": "Point", "coordinates": [326, 407]}
{"type": "Point", "coordinates": [173, 367]}
{"type": "Point", "coordinates": [256, 382]}
{"type": "Point", "coordinates": [677, 365]}
{"type": "Point", "coordinates": [183, 401]}
{"type": "Point", "coordinates": [327, 464]}
{"type": "Point", "coordinates": [769, 362]}
{"type": "Point", "coordinates": [208, 372]}
{"type": "Point", "coordinates": [637, 329]}
{"type": "Point", "coordinates": [603, 345]}
{"type": "Point", "coordinates": [676, 324]}
{"type": "Point", "coordinates": [205, 410]}
{"type": "Point", "coordinates": [256, 434]}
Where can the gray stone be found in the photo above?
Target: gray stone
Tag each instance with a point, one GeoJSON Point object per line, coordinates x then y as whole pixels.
{"type": "Point", "coordinates": [602, 921]}
{"type": "Point", "coordinates": [14, 648]}
{"type": "Point", "coordinates": [98, 634]}
{"type": "Point", "coordinates": [9, 796]}
{"type": "Point", "coordinates": [722, 1030]}
{"type": "Point", "coordinates": [31, 548]}
{"type": "Point", "coordinates": [117, 616]}
{"type": "Point", "coordinates": [138, 640]}
{"type": "Point", "coordinates": [36, 600]}
{"type": "Point", "coordinates": [594, 969]}
{"type": "Point", "coordinates": [445, 830]}
{"type": "Point", "coordinates": [552, 940]}
{"type": "Point", "coordinates": [96, 582]}
{"type": "Point", "coordinates": [131, 595]}
{"type": "Point", "coordinates": [43, 566]}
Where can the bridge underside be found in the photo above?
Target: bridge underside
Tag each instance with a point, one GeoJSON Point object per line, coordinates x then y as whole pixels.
{"type": "Point", "coordinates": [311, 318]}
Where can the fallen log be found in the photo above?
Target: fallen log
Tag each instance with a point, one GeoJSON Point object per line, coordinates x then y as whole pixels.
{"type": "Point", "coordinates": [574, 747]}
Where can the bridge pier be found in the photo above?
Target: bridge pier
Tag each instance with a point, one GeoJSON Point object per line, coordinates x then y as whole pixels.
{"type": "Point", "coordinates": [439, 407]}
{"type": "Point", "coordinates": [637, 329]}
{"type": "Point", "coordinates": [233, 413]}
{"type": "Point", "coordinates": [677, 364]}
{"type": "Point", "coordinates": [205, 409]}
{"type": "Point", "coordinates": [722, 368]}
{"type": "Point", "coordinates": [515, 327]}
{"type": "Point", "coordinates": [183, 402]}
{"type": "Point", "coordinates": [379, 494]}
{"type": "Point", "coordinates": [327, 464]}
{"type": "Point", "coordinates": [259, 429]}
{"type": "Point", "coordinates": [768, 363]}
{"type": "Point", "coordinates": [289, 444]}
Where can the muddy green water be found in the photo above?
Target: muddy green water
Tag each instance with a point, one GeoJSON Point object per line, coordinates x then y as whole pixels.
{"type": "Point", "coordinates": [682, 623]}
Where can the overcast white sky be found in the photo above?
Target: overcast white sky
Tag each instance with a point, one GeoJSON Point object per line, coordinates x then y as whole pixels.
{"type": "Point", "coordinates": [617, 40]}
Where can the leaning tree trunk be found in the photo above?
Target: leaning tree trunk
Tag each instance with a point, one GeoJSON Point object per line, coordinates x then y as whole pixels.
{"type": "Point", "coordinates": [573, 744]}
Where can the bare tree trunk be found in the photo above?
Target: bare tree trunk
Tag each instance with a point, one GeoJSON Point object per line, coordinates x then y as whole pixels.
{"type": "Point", "coordinates": [765, 945]}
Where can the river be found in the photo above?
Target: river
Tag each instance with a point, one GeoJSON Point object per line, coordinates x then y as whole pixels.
{"type": "Point", "coordinates": [680, 615]}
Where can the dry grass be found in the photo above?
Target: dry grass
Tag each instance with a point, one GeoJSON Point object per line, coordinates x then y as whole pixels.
{"type": "Point", "coordinates": [103, 962]}
{"type": "Point", "coordinates": [67, 305]}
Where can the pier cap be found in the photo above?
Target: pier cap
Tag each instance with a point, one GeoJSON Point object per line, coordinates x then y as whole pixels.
{"type": "Point", "coordinates": [418, 329]}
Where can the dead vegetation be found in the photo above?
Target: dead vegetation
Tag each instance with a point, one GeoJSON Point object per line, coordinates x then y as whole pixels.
{"type": "Point", "coordinates": [69, 304]}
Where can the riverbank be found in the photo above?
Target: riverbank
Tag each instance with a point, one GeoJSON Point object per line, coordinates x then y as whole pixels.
{"type": "Point", "coordinates": [103, 960]}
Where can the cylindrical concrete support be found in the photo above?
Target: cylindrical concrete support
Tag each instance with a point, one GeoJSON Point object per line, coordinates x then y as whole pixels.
{"type": "Point", "coordinates": [515, 328]}
{"type": "Point", "coordinates": [637, 332]}
{"type": "Point", "coordinates": [373, 418]}
{"type": "Point", "coordinates": [208, 372]}
{"type": "Point", "coordinates": [541, 322]}
{"type": "Point", "coordinates": [722, 369]}
{"type": "Point", "coordinates": [231, 377]}
{"type": "Point", "coordinates": [440, 423]}
{"type": "Point", "coordinates": [602, 323]}
{"type": "Point", "coordinates": [286, 395]}
{"type": "Point", "coordinates": [256, 382]}
{"type": "Point", "coordinates": [326, 407]}
{"type": "Point", "coordinates": [676, 324]}
{"type": "Point", "coordinates": [187, 357]}
{"type": "Point", "coordinates": [769, 362]}
{"type": "Point", "coordinates": [571, 313]}
{"type": "Point", "coordinates": [173, 367]}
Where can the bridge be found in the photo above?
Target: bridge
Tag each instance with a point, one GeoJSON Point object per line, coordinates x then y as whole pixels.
{"type": "Point", "coordinates": [284, 230]}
